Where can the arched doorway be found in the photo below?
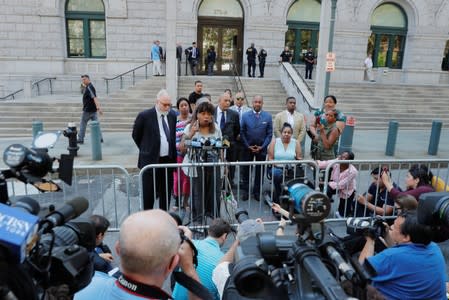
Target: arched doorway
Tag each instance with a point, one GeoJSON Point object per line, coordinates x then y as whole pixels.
{"type": "Point", "coordinates": [303, 20]}
{"type": "Point", "coordinates": [220, 24]}
{"type": "Point", "coordinates": [389, 32]}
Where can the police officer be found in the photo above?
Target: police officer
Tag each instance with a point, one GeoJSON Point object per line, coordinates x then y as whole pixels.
{"type": "Point", "coordinates": [251, 53]}
{"type": "Point", "coordinates": [262, 56]}
{"type": "Point", "coordinates": [309, 59]}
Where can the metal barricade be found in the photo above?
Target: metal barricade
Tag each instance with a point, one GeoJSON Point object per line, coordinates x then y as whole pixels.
{"type": "Point", "coordinates": [363, 177]}
{"type": "Point", "coordinates": [108, 189]}
{"type": "Point", "coordinates": [209, 180]}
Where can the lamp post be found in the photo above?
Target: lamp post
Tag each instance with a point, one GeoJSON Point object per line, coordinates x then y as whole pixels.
{"type": "Point", "coordinates": [330, 45]}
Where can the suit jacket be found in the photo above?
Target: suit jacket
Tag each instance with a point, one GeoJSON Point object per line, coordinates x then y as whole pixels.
{"type": "Point", "coordinates": [256, 131]}
{"type": "Point", "coordinates": [245, 108]}
{"type": "Point", "coordinates": [146, 136]}
{"type": "Point", "coordinates": [232, 125]}
{"type": "Point", "coordinates": [299, 130]}
{"type": "Point", "coordinates": [190, 52]}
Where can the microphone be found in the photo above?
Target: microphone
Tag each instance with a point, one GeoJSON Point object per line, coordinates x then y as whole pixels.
{"type": "Point", "coordinates": [72, 209]}
{"type": "Point", "coordinates": [195, 143]}
{"type": "Point", "coordinates": [17, 229]}
{"type": "Point", "coordinates": [28, 205]}
{"type": "Point", "coordinates": [226, 143]}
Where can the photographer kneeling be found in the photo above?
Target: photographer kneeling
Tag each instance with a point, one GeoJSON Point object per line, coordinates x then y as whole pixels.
{"type": "Point", "coordinates": [412, 267]}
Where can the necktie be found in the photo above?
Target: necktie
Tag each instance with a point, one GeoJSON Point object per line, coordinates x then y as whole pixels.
{"type": "Point", "coordinates": [222, 120]}
{"type": "Point", "coordinates": [240, 113]}
{"type": "Point", "coordinates": [257, 115]}
{"type": "Point", "coordinates": [166, 130]}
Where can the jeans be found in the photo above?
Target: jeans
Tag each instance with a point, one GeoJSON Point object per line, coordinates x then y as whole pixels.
{"type": "Point", "coordinates": [210, 68]}
{"type": "Point", "coordinates": [85, 117]}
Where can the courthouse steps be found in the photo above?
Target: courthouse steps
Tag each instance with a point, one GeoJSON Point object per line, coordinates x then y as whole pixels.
{"type": "Point", "coordinates": [55, 111]}
{"type": "Point", "coordinates": [374, 105]}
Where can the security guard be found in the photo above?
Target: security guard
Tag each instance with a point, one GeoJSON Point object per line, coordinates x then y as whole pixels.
{"type": "Point", "coordinates": [309, 59]}
{"type": "Point", "coordinates": [251, 53]}
{"type": "Point", "coordinates": [262, 56]}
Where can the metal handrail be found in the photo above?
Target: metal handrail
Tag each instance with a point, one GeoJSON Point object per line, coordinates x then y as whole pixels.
{"type": "Point", "coordinates": [133, 71]}
{"type": "Point", "coordinates": [36, 83]}
{"type": "Point", "coordinates": [310, 106]}
{"type": "Point", "coordinates": [238, 83]}
{"type": "Point", "coordinates": [305, 82]}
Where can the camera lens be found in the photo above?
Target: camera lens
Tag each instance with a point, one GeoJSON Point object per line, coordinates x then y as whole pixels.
{"type": "Point", "coordinates": [241, 215]}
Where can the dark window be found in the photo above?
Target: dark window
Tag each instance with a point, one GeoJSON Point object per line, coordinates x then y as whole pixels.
{"type": "Point", "coordinates": [389, 32]}
{"type": "Point", "coordinates": [86, 28]}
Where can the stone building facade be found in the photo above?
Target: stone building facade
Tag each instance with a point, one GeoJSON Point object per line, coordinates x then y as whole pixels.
{"type": "Point", "coordinates": [34, 37]}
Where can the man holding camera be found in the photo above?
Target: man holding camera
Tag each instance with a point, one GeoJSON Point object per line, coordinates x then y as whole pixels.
{"type": "Point", "coordinates": [412, 267]}
{"type": "Point", "coordinates": [209, 254]}
{"type": "Point", "coordinates": [150, 248]}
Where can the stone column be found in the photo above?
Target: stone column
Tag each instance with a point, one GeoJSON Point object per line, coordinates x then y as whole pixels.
{"type": "Point", "coordinates": [322, 50]}
{"type": "Point", "coordinates": [171, 76]}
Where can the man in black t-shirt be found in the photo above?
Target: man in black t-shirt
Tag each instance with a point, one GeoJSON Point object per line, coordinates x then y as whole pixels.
{"type": "Point", "coordinates": [196, 94]}
{"type": "Point", "coordinates": [286, 55]}
{"type": "Point", "coordinates": [251, 53]}
{"type": "Point", "coordinates": [309, 59]}
{"type": "Point", "coordinates": [91, 106]}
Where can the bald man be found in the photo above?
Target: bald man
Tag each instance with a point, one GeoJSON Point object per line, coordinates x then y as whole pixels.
{"type": "Point", "coordinates": [149, 250]}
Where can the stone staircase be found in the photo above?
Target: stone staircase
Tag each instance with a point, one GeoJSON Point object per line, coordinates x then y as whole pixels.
{"type": "Point", "coordinates": [374, 105]}
{"type": "Point", "coordinates": [55, 111]}
{"type": "Point", "coordinates": [271, 89]}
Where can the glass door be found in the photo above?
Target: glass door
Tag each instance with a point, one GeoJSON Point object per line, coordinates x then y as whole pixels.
{"type": "Point", "coordinates": [227, 41]}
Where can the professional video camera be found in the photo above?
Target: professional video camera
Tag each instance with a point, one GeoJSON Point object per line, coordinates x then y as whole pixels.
{"type": "Point", "coordinates": [433, 210]}
{"type": "Point", "coordinates": [374, 226]}
{"type": "Point", "coordinates": [38, 254]}
{"type": "Point", "coordinates": [31, 165]}
{"type": "Point", "coordinates": [308, 266]}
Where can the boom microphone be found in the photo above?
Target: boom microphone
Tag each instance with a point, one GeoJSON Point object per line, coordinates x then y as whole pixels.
{"type": "Point", "coordinates": [72, 209]}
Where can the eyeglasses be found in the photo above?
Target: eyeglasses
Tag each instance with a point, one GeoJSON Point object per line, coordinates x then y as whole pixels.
{"type": "Point", "coordinates": [239, 98]}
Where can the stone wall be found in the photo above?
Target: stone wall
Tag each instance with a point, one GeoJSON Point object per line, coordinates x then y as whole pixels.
{"type": "Point", "coordinates": [33, 36]}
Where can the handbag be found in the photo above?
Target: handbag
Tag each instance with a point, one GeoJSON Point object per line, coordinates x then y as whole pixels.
{"type": "Point", "coordinates": [190, 171]}
{"type": "Point", "coordinates": [228, 205]}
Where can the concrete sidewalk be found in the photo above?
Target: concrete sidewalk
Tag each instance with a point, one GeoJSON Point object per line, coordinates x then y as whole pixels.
{"type": "Point", "coordinates": [119, 148]}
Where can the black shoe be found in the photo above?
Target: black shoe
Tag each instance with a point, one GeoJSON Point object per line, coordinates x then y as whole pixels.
{"type": "Point", "coordinates": [80, 142]}
{"type": "Point", "coordinates": [249, 75]}
{"type": "Point", "coordinates": [101, 140]}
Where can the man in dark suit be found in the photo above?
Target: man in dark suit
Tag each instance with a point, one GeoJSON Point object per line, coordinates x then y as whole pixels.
{"type": "Point", "coordinates": [193, 56]}
{"type": "Point", "coordinates": [256, 133]}
{"type": "Point", "coordinates": [229, 123]}
{"type": "Point", "coordinates": [154, 134]}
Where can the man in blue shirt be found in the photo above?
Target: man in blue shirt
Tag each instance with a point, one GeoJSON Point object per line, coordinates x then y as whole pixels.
{"type": "Point", "coordinates": [414, 268]}
{"type": "Point", "coordinates": [150, 249]}
{"type": "Point", "coordinates": [209, 254]}
{"type": "Point", "coordinates": [256, 132]}
{"type": "Point", "coordinates": [156, 58]}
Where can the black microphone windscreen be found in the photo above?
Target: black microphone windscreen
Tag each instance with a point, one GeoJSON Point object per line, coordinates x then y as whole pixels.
{"type": "Point", "coordinates": [29, 204]}
{"type": "Point", "coordinates": [79, 205]}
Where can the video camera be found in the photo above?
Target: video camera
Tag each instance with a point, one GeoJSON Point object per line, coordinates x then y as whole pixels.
{"type": "Point", "coordinates": [38, 254]}
{"type": "Point", "coordinates": [307, 266]}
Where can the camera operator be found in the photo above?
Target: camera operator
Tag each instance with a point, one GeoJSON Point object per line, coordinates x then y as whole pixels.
{"type": "Point", "coordinates": [209, 254]}
{"type": "Point", "coordinates": [221, 275]}
{"type": "Point", "coordinates": [412, 267]}
{"type": "Point", "coordinates": [102, 254]}
{"type": "Point", "coordinates": [150, 249]}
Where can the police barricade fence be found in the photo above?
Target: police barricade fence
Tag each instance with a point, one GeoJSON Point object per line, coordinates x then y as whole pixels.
{"type": "Point", "coordinates": [348, 201]}
{"type": "Point", "coordinates": [108, 188]}
{"type": "Point", "coordinates": [207, 183]}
